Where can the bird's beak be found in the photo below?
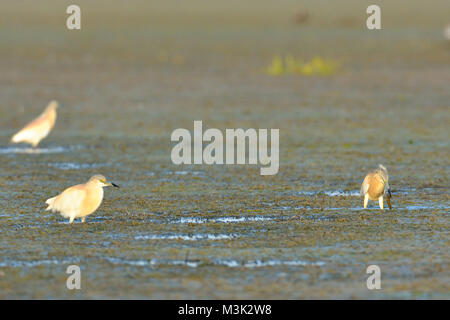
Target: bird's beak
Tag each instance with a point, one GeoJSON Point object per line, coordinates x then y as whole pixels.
{"type": "Point", "coordinates": [388, 199]}
{"type": "Point", "coordinates": [113, 185]}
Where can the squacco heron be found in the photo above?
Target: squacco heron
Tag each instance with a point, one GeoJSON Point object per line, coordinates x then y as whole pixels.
{"type": "Point", "coordinates": [39, 128]}
{"type": "Point", "coordinates": [375, 185]}
{"type": "Point", "coordinates": [81, 200]}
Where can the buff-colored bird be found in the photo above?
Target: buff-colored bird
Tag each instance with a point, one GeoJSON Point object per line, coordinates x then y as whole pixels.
{"type": "Point", "coordinates": [81, 200]}
{"type": "Point", "coordinates": [375, 185]}
{"type": "Point", "coordinates": [39, 128]}
{"type": "Point", "coordinates": [447, 32]}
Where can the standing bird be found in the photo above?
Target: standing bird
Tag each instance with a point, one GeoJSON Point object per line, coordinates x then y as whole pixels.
{"type": "Point", "coordinates": [39, 128]}
{"type": "Point", "coordinates": [375, 185]}
{"type": "Point", "coordinates": [81, 200]}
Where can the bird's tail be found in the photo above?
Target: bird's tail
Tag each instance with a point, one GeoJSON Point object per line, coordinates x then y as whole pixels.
{"type": "Point", "coordinates": [50, 203]}
{"type": "Point", "coordinates": [23, 135]}
{"type": "Point", "coordinates": [16, 138]}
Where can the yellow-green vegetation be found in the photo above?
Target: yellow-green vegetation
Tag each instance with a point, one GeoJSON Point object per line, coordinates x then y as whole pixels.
{"type": "Point", "coordinates": [292, 65]}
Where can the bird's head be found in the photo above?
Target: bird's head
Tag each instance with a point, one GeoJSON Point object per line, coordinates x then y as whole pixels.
{"type": "Point", "coordinates": [388, 198]}
{"type": "Point", "coordinates": [101, 181]}
{"type": "Point", "coordinates": [387, 189]}
{"type": "Point", "coordinates": [383, 169]}
{"type": "Point", "coordinates": [53, 105]}
{"type": "Point", "coordinates": [385, 178]}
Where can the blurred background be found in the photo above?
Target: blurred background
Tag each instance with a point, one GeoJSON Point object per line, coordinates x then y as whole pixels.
{"type": "Point", "coordinates": [345, 98]}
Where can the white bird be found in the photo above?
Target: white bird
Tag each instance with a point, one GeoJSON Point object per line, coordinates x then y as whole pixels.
{"type": "Point", "coordinates": [39, 128]}
{"type": "Point", "coordinates": [81, 200]}
{"type": "Point", "coordinates": [375, 185]}
{"type": "Point", "coordinates": [447, 32]}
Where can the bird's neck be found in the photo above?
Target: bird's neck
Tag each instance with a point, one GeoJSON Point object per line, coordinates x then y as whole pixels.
{"type": "Point", "coordinates": [51, 113]}
{"type": "Point", "coordinates": [94, 185]}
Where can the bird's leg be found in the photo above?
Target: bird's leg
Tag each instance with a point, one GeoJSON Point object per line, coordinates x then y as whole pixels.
{"type": "Point", "coordinates": [71, 219]}
{"type": "Point", "coordinates": [366, 199]}
{"type": "Point", "coordinates": [83, 219]}
{"type": "Point", "coordinates": [380, 201]}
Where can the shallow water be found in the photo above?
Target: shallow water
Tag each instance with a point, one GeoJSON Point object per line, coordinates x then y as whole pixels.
{"type": "Point", "coordinates": [186, 237]}
{"type": "Point", "coordinates": [223, 219]}
{"type": "Point", "coordinates": [75, 166]}
{"type": "Point", "coordinates": [14, 150]}
{"type": "Point", "coordinates": [219, 262]}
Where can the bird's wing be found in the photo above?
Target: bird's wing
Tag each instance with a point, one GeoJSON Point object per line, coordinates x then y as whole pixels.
{"type": "Point", "coordinates": [70, 200]}
{"type": "Point", "coordinates": [364, 186]}
{"type": "Point", "coordinates": [29, 131]}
